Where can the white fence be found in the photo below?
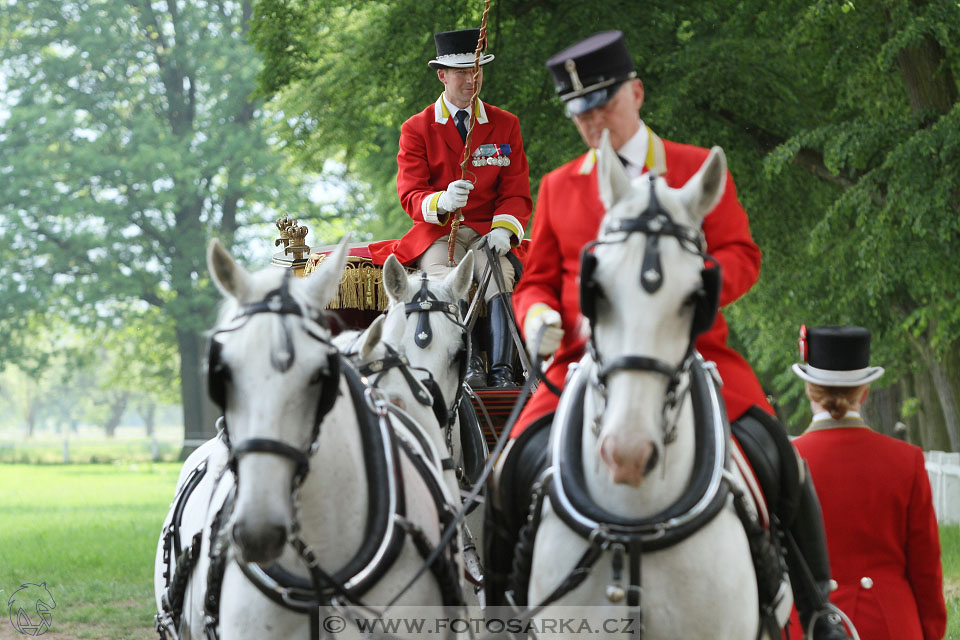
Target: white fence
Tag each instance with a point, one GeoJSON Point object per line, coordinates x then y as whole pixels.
{"type": "Point", "coordinates": [944, 472]}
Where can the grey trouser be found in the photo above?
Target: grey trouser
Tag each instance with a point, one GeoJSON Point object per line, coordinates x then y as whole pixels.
{"type": "Point", "coordinates": [434, 260]}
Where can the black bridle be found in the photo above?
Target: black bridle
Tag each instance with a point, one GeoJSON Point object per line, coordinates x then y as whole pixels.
{"type": "Point", "coordinates": [280, 303]}
{"type": "Point", "coordinates": [423, 303]}
{"type": "Point", "coordinates": [654, 222]}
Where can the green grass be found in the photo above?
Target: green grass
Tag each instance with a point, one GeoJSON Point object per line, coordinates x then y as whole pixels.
{"type": "Point", "coordinates": [89, 532]}
{"type": "Point", "coordinates": [950, 559]}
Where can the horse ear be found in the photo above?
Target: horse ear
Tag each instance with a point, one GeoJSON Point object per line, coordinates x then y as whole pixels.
{"type": "Point", "coordinates": [612, 178]}
{"type": "Point", "coordinates": [372, 337]}
{"type": "Point", "coordinates": [704, 190]}
{"type": "Point", "coordinates": [394, 325]}
{"type": "Point", "coordinates": [460, 278]}
{"type": "Point", "coordinates": [324, 283]}
{"type": "Point", "coordinates": [230, 277]}
{"type": "Point", "coordinates": [395, 279]}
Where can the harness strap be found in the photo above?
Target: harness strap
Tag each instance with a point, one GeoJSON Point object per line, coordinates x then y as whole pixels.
{"type": "Point", "coordinates": [636, 363]}
{"type": "Point", "coordinates": [269, 445]}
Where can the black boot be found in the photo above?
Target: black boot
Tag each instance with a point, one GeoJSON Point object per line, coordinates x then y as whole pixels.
{"type": "Point", "coordinates": [809, 566]}
{"type": "Point", "coordinates": [476, 375]}
{"type": "Point", "coordinates": [507, 506]}
{"type": "Point", "coordinates": [502, 350]}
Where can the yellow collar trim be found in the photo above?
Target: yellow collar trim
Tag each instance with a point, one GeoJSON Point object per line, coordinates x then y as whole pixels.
{"type": "Point", "coordinates": [441, 113]}
{"type": "Point", "coordinates": [656, 156]}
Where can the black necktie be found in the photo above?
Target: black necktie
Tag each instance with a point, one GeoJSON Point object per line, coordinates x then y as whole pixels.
{"type": "Point", "coordinates": [461, 127]}
{"type": "Point", "coordinates": [623, 161]}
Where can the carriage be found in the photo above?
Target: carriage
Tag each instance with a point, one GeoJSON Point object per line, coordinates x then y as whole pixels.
{"type": "Point", "coordinates": [361, 298]}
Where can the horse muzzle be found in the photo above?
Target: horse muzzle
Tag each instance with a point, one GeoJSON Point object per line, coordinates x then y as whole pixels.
{"type": "Point", "coordinates": [262, 542]}
{"type": "Point", "coordinates": [629, 461]}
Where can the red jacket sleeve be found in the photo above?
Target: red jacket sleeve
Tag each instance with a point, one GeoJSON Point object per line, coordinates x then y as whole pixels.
{"type": "Point", "coordinates": [727, 231]}
{"type": "Point", "coordinates": [413, 170]}
{"type": "Point", "coordinates": [542, 272]}
{"type": "Point", "coordinates": [924, 571]}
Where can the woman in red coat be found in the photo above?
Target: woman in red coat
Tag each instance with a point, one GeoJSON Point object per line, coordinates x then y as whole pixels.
{"type": "Point", "coordinates": [875, 495]}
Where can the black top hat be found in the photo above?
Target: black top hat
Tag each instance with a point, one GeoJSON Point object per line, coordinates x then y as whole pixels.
{"type": "Point", "coordinates": [836, 356]}
{"type": "Point", "coordinates": [456, 49]}
{"type": "Point", "coordinates": [590, 72]}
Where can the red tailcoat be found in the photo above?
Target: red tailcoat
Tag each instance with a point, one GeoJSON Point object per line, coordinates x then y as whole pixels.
{"type": "Point", "coordinates": [881, 529]}
{"type": "Point", "coordinates": [429, 160]}
{"type": "Point", "coordinates": [568, 216]}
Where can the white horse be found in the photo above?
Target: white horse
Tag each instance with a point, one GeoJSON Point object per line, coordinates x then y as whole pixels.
{"type": "Point", "coordinates": [637, 513]}
{"type": "Point", "coordinates": [435, 343]}
{"type": "Point", "coordinates": [380, 354]}
{"type": "Point", "coordinates": [320, 500]}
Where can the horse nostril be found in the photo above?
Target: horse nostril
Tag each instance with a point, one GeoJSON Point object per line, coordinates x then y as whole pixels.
{"type": "Point", "coordinates": [262, 544]}
{"type": "Point", "coordinates": [652, 460]}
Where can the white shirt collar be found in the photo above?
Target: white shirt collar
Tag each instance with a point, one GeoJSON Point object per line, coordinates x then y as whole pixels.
{"type": "Point", "coordinates": [825, 415]}
{"type": "Point", "coordinates": [443, 105]}
{"type": "Point", "coordinates": [452, 108]}
{"type": "Point", "coordinates": [635, 150]}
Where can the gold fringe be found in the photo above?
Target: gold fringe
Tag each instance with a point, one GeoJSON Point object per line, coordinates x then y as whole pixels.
{"type": "Point", "coordinates": [361, 286]}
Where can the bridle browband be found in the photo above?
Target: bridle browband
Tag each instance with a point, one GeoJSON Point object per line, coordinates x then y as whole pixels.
{"type": "Point", "coordinates": [281, 303]}
{"type": "Point", "coordinates": [654, 221]}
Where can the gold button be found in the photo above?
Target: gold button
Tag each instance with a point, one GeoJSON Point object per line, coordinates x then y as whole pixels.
{"type": "Point", "coordinates": [866, 582]}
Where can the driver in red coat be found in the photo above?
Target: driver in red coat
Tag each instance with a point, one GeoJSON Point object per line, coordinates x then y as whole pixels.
{"type": "Point", "coordinates": [597, 82]}
{"type": "Point", "coordinates": [495, 200]}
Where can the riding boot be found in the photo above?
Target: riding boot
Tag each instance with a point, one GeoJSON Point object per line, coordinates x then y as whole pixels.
{"type": "Point", "coordinates": [476, 376]}
{"type": "Point", "coordinates": [507, 534]}
{"type": "Point", "coordinates": [502, 349]}
{"type": "Point", "coordinates": [807, 559]}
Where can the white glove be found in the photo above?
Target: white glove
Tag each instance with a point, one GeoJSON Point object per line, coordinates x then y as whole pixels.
{"type": "Point", "coordinates": [455, 196]}
{"type": "Point", "coordinates": [500, 240]}
{"type": "Point", "coordinates": [541, 315]}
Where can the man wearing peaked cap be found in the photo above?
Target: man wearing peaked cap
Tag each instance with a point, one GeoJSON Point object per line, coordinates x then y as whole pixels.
{"type": "Point", "coordinates": [877, 505]}
{"type": "Point", "coordinates": [494, 201]}
{"type": "Point", "coordinates": [597, 83]}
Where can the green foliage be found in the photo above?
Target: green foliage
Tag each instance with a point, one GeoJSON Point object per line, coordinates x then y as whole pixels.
{"type": "Point", "coordinates": [839, 119]}
{"type": "Point", "coordinates": [128, 138]}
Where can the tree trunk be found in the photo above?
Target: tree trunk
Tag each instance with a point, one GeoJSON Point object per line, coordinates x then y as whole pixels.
{"type": "Point", "coordinates": [199, 414]}
{"type": "Point", "coordinates": [31, 416]}
{"type": "Point", "coordinates": [929, 82]}
{"type": "Point", "coordinates": [882, 409]}
{"type": "Point", "coordinates": [148, 411]}
{"type": "Point", "coordinates": [944, 393]}
{"type": "Point", "coordinates": [117, 407]}
{"type": "Point", "coordinates": [928, 424]}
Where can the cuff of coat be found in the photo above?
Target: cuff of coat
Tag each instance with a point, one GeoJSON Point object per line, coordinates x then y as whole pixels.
{"type": "Point", "coordinates": [430, 212]}
{"type": "Point", "coordinates": [536, 309]}
{"type": "Point", "coordinates": [511, 224]}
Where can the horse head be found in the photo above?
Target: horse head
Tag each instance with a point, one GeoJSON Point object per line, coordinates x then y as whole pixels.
{"type": "Point", "coordinates": [379, 354]}
{"type": "Point", "coordinates": [644, 290]}
{"type": "Point", "coordinates": [435, 337]}
{"type": "Point", "coordinates": [275, 373]}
